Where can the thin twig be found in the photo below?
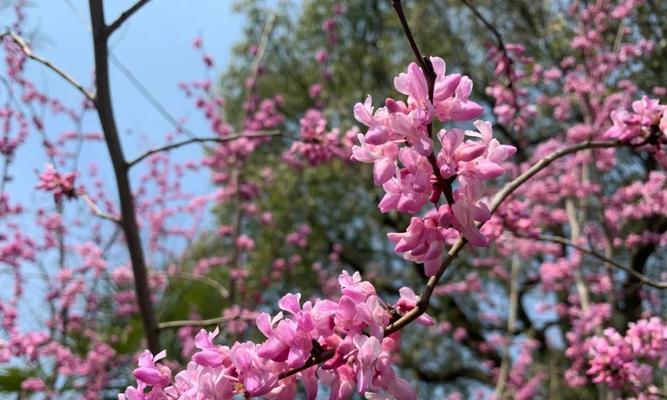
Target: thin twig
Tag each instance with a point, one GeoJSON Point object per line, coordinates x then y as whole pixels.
{"type": "Point", "coordinates": [561, 240]}
{"type": "Point", "coordinates": [511, 325]}
{"type": "Point", "coordinates": [224, 293]}
{"type": "Point", "coordinates": [124, 16]}
{"type": "Point", "coordinates": [545, 162]}
{"type": "Point", "coordinates": [217, 139]}
{"type": "Point", "coordinates": [261, 49]}
{"type": "Point", "coordinates": [195, 322]}
{"type": "Point", "coordinates": [96, 210]}
{"type": "Point", "coordinates": [190, 322]}
{"type": "Point", "coordinates": [28, 52]}
{"type": "Point", "coordinates": [143, 90]}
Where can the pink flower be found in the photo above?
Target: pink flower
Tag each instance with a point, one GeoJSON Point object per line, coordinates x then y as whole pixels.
{"type": "Point", "coordinates": [255, 373]}
{"type": "Point", "coordinates": [408, 301]}
{"type": "Point", "coordinates": [383, 156]}
{"type": "Point", "coordinates": [458, 108]}
{"type": "Point", "coordinates": [151, 374]}
{"type": "Point", "coordinates": [209, 355]}
{"type": "Point", "coordinates": [33, 385]}
{"type": "Point", "coordinates": [60, 185]}
{"type": "Point", "coordinates": [377, 122]}
{"type": "Point", "coordinates": [410, 189]}
{"type": "Point", "coordinates": [369, 349]}
{"type": "Point", "coordinates": [422, 242]}
{"type": "Point", "coordinates": [414, 85]}
{"type": "Point", "coordinates": [465, 216]}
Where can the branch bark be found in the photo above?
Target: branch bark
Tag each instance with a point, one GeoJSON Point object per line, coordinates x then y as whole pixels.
{"type": "Point", "coordinates": [121, 171]}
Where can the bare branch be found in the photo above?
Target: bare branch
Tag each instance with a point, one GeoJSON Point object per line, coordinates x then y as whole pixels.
{"type": "Point", "coordinates": [545, 162]}
{"type": "Point", "coordinates": [96, 210]}
{"type": "Point", "coordinates": [196, 322]}
{"type": "Point", "coordinates": [124, 16]}
{"type": "Point", "coordinates": [120, 167]}
{"type": "Point", "coordinates": [63, 74]}
{"type": "Point", "coordinates": [561, 240]}
{"type": "Point", "coordinates": [261, 49]}
{"type": "Point", "coordinates": [503, 375]}
{"type": "Point", "coordinates": [216, 139]}
{"type": "Point", "coordinates": [224, 293]}
{"type": "Point", "coordinates": [190, 322]}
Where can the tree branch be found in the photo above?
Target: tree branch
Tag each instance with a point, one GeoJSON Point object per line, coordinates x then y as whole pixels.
{"type": "Point", "coordinates": [96, 210]}
{"type": "Point", "coordinates": [216, 139]}
{"type": "Point", "coordinates": [128, 218]}
{"type": "Point", "coordinates": [123, 17]}
{"type": "Point", "coordinates": [561, 240]}
{"type": "Point", "coordinates": [63, 74]}
{"type": "Point", "coordinates": [224, 293]}
{"type": "Point", "coordinates": [503, 375]}
{"type": "Point", "coordinates": [194, 322]}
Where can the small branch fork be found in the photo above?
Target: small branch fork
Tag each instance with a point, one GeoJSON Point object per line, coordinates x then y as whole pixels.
{"type": "Point", "coordinates": [124, 16]}
{"type": "Point", "coordinates": [105, 112]}
{"type": "Point", "coordinates": [96, 210]}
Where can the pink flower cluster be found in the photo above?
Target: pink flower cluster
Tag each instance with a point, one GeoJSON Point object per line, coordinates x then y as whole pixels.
{"type": "Point", "coordinates": [348, 335]}
{"type": "Point", "coordinates": [399, 144]}
{"type": "Point", "coordinates": [316, 143]}
{"type": "Point", "coordinates": [60, 185]}
{"type": "Point", "coordinates": [627, 362]}
{"type": "Point", "coordinates": [648, 121]}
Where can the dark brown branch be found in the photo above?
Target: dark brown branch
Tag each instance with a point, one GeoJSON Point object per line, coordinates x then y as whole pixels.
{"type": "Point", "coordinates": [120, 167]}
{"type": "Point", "coordinates": [216, 139]}
{"type": "Point", "coordinates": [398, 6]}
{"type": "Point", "coordinates": [124, 16]}
{"type": "Point", "coordinates": [500, 44]}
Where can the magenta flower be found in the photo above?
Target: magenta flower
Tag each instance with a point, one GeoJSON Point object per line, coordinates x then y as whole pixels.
{"type": "Point", "coordinates": [410, 189]}
{"type": "Point", "coordinates": [369, 348]}
{"type": "Point", "coordinates": [151, 374]}
{"type": "Point", "coordinates": [383, 156]}
{"type": "Point", "coordinates": [422, 242]}
{"type": "Point", "coordinates": [378, 131]}
{"type": "Point", "coordinates": [209, 355]}
{"type": "Point", "coordinates": [408, 301]}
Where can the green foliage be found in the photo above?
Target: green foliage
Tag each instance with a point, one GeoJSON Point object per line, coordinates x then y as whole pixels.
{"type": "Point", "coordinates": [11, 378]}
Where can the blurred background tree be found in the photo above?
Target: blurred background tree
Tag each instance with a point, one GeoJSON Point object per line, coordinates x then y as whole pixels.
{"type": "Point", "coordinates": [353, 53]}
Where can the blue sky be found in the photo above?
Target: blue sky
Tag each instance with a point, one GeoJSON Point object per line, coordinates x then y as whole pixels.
{"type": "Point", "coordinates": [155, 44]}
